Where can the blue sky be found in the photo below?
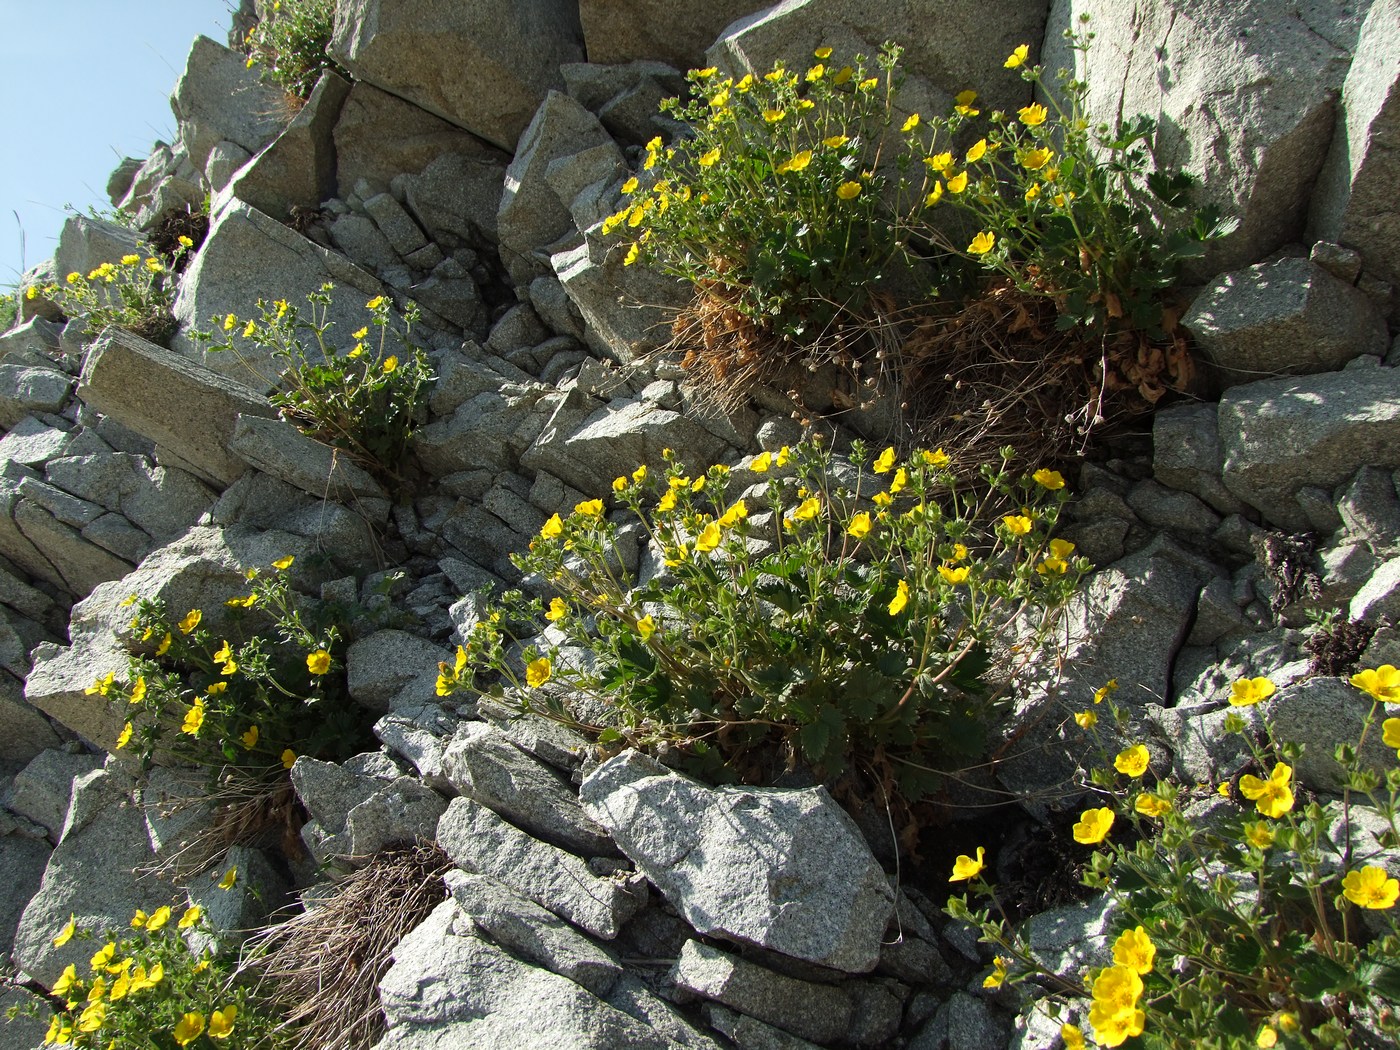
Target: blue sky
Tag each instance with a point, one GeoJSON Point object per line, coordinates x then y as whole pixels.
{"type": "Point", "coordinates": [83, 83]}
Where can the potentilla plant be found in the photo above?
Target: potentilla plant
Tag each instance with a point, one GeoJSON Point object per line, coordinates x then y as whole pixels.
{"type": "Point", "coordinates": [773, 203]}
{"type": "Point", "coordinates": [366, 397]}
{"type": "Point", "coordinates": [253, 699]}
{"type": "Point", "coordinates": [841, 617]}
{"type": "Point", "coordinates": [137, 293]}
{"type": "Point", "coordinates": [1258, 918]}
{"type": "Point", "coordinates": [144, 987]}
{"type": "Point", "coordinates": [291, 44]}
{"type": "Point", "coordinates": [1066, 207]}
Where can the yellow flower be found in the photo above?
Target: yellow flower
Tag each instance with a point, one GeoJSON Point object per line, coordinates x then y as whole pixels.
{"type": "Point", "coordinates": [808, 509]}
{"type": "Point", "coordinates": [589, 508]}
{"type": "Point", "coordinates": [376, 302]}
{"type": "Point", "coordinates": [90, 1020]}
{"type": "Point", "coordinates": [708, 159]}
{"type": "Point", "coordinates": [1135, 950]}
{"type": "Point", "coordinates": [66, 934]}
{"type": "Point", "coordinates": [390, 363]}
{"type": "Point", "coordinates": [154, 266]}
{"type": "Point", "coordinates": [843, 75]}
{"type": "Point", "coordinates": [221, 1022]}
{"type": "Point", "coordinates": [957, 183]}
{"type": "Point", "coordinates": [634, 252]}
{"type": "Point", "coordinates": [191, 916]}
{"type": "Point", "coordinates": [816, 73]}
{"type": "Point", "coordinates": [141, 980]}
{"type": "Point", "coordinates": [646, 626]}
{"type": "Point", "coordinates": [868, 85]}
{"type": "Point", "coordinates": [250, 738]}
{"type": "Point", "coordinates": [1017, 58]}
{"type": "Point", "coordinates": [1032, 116]}
{"type": "Point", "coordinates": [745, 84]}
{"type": "Point", "coordinates": [797, 162]}
{"type": "Point", "coordinates": [553, 528]}
{"type": "Point", "coordinates": [822, 53]}
{"type": "Point", "coordinates": [121, 985]}
{"type": "Point", "coordinates": [709, 537]}
{"type": "Point", "coordinates": [164, 645]}
{"type": "Point", "coordinates": [620, 483]}
{"type": "Point", "coordinates": [997, 977]}
{"type": "Point", "coordinates": [900, 479]}
{"type": "Point", "coordinates": [1249, 691]}
{"type": "Point", "coordinates": [216, 688]}
{"type": "Point", "coordinates": [1132, 761]}
{"type": "Point", "coordinates": [138, 921]}
{"type": "Point", "coordinates": [1267, 1037]}
{"type": "Point", "coordinates": [630, 186]}
{"type": "Point", "coordinates": [1072, 1036]}
{"type": "Point", "coordinates": [318, 662]}
{"type": "Point", "coordinates": [230, 877]}
{"type": "Point", "coordinates": [982, 243]}
{"type": "Point", "coordinates": [103, 956]}
{"type": "Point", "coordinates": [963, 103]}
{"type": "Point", "coordinates": [900, 599]}
{"type": "Point", "coordinates": [737, 512]}
{"type": "Point", "coordinates": [1086, 719]}
{"type": "Point", "coordinates": [977, 151]}
{"type": "Point", "coordinates": [1093, 826]}
{"type": "Point", "coordinates": [1272, 797]}
{"type": "Point", "coordinates": [194, 718]}
{"type": "Point", "coordinates": [1150, 805]}
{"type": "Point", "coordinates": [667, 502]}
{"type": "Point", "coordinates": [558, 609]}
{"type": "Point", "coordinates": [882, 499]}
{"type": "Point", "coordinates": [720, 99]}
{"type": "Point", "coordinates": [1382, 683]}
{"type": "Point", "coordinates": [184, 241]}
{"type": "Point", "coordinates": [189, 1029]}
{"type": "Point", "coordinates": [940, 162]}
{"type": "Point", "coordinates": [191, 621]}
{"type": "Point", "coordinates": [935, 195]}
{"type": "Point", "coordinates": [1258, 834]}
{"type": "Point", "coordinates": [138, 691]}
{"type": "Point", "coordinates": [65, 980]}
{"type": "Point", "coordinates": [360, 333]}
{"type": "Point", "coordinates": [124, 737]}
{"type": "Point", "coordinates": [1371, 887]}
{"type": "Point", "coordinates": [1390, 732]}
{"type": "Point", "coordinates": [966, 869]}
{"type": "Point", "coordinates": [860, 526]}
{"type": "Point", "coordinates": [289, 758]}
{"type": "Point", "coordinates": [699, 74]}
{"type": "Point", "coordinates": [537, 672]}
{"type": "Point", "coordinates": [1032, 193]}
{"type": "Point", "coordinates": [1034, 160]}
{"type": "Point", "coordinates": [954, 576]}
{"type": "Point", "coordinates": [1061, 548]}
{"type": "Point", "coordinates": [158, 918]}
{"type": "Point", "coordinates": [835, 141]}
{"type": "Point", "coordinates": [1048, 479]}
{"type": "Point", "coordinates": [1017, 524]}
{"type": "Point", "coordinates": [884, 463]}
{"type": "Point", "coordinates": [1106, 690]}
{"type": "Point", "coordinates": [911, 123]}
{"type": "Point", "coordinates": [1115, 1015]}
{"type": "Point", "coordinates": [848, 191]}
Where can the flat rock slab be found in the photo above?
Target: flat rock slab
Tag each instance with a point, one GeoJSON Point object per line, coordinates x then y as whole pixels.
{"type": "Point", "coordinates": [448, 988]}
{"type": "Point", "coordinates": [481, 842]}
{"type": "Point", "coordinates": [819, 1012]}
{"type": "Point", "coordinates": [784, 869]}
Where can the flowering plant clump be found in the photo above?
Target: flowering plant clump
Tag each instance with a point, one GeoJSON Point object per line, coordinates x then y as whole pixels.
{"type": "Point", "coordinates": [9, 310]}
{"type": "Point", "coordinates": [291, 44]}
{"type": "Point", "coordinates": [366, 398]}
{"type": "Point", "coordinates": [805, 610]}
{"type": "Point", "coordinates": [136, 293]}
{"type": "Point", "coordinates": [253, 699]}
{"type": "Point", "coordinates": [145, 987]}
{"type": "Point", "coordinates": [1065, 208]}
{"type": "Point", "coordinates": [773, 202]}
{"type": "Point", "coordinates": [1250, 916]}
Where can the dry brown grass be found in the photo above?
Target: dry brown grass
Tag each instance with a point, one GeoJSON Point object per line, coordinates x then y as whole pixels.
{"type": "Point", "coordinates": [322, 967]}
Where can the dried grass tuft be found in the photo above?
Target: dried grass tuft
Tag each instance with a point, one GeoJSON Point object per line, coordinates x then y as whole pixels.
{"type": "Point", "coordinates": [323, 966]}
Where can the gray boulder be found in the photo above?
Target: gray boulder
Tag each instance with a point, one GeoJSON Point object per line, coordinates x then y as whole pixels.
{"type": "Point", "coordinates": [220, 282]}
{"type": "Point", "coordinates": [43, 789]}
{"type": "Point", "coordinates": [1354, 201]}
{"type": "Point", "coordinates": [27, 732]}
{"type": "Point", "coordinates": [171, 400]}
{"type": "Point", "coordinates": [218, 97]}
{"type": "Point", "coordinates": [456, 197]}
{"type": "Point", "coordinates": [279, 449]}
{"type": "Point", "coordinates": [483, 843]}
{"type": "Point", "coordinates": [380, 138]}
{"type": "Point", "coordinates": [532, 215]}
{"type": "Point", "coordinates": [387, 670]}
{"type": "Point", "coordinates": [483, 764]}
{"type": "Point", "coordinates": [482, 66]}
{"type": "Point", "coordinates": [1289, 317]}
{"type": "Point", "coordinates": [32, 442]}
{"type": "Point", "coordinates": [26, 389]}
{"type": "Point", "coordinates": [450, 988]}
{"type": "Point", "coordinates": [85, 243]}
{"type": "Point", "coordinates": [1244, 95]}
{"type": "Point", "coordinates": [945, 52]}
{"type": "Point", "coordinates": [819, 1012]}
{"type": "Point", "coordinates": [297, 171]}
{"type": "Point", "coordinates": [626, 309]}
{"type": "Point", "coordinates": [94, 875]}
{"type": "Point", "coordinates": [615, 31]}
{"type": "Point", "coordinates": [23, 859]}
{"type": "Point", "coordinates": [1186, 454]}
{"type": "Point", "coordinates": [783, 869]}
{"type": "Point", "coordinates": [1281, 435]}
{"type": "Point", "coordinates": [529, 932]}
